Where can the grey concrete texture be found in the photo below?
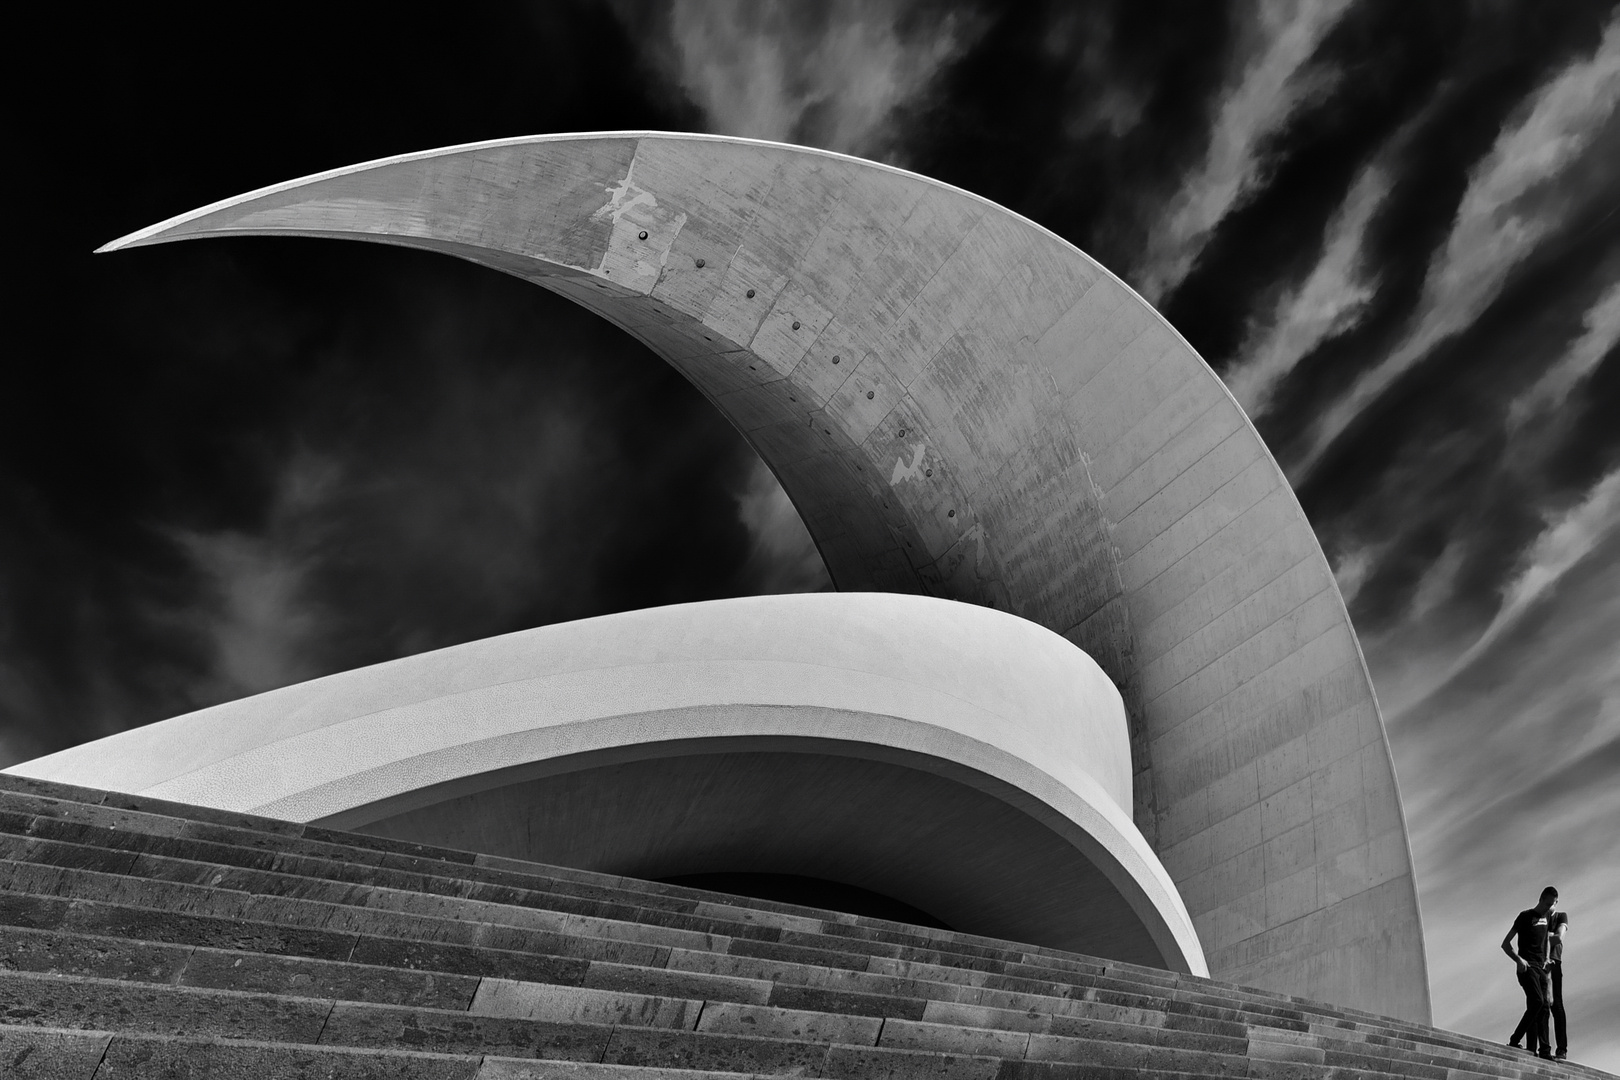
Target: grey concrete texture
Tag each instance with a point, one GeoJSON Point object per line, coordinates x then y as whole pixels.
{"type": "Point", "coordinates": [1007, 424]}
{"type": "Point", "coordinates": [60, 952]}
{"type": "Point", "coordinates": [30, 1053]}
{"type": "Point", "coordinates": [141, 1057]}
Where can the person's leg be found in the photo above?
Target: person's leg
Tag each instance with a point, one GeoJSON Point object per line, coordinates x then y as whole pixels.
{"type": "Point", "coordinates": [1532, 1003]}
{"type": "Point", "coordinates": [1560, 1023]}
{"type": "Point", "coordinates": [1522, 1030]}
{"type": "Point", "coordinates": [1543, 1012]}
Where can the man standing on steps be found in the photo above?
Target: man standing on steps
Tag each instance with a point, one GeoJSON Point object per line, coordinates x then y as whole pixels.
{"type": "Point", "coordinates": [1559, 926]}
{"type": "Point", "coordinates": [1532, 929]}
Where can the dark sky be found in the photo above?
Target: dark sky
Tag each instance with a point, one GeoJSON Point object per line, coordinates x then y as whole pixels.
{"type": "Point", "coordinates": [1391, 227]}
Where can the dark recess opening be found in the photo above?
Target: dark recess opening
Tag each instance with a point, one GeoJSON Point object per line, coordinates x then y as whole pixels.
{"type": "Point", "coordinates": [811, 892]}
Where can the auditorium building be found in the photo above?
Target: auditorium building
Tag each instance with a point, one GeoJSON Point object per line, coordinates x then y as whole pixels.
{"type": "Point", "coordinates": [1086, 681]}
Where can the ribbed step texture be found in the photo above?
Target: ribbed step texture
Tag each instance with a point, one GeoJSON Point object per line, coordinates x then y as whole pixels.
{"type": "Point", "coordinates": [143, 938]}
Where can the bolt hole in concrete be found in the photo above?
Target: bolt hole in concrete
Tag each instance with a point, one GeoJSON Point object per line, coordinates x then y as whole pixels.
{"type": "Point", "coordinates": [902, 434]}
{"type": "Point", "coordinates": [835, 359]}
{"type": "Point", "coordinates": [795, 324]}
{"type": "Point", "coordinates": [951, 514]}
{"type": "Point", "coordinates": [643, 234]}
{"type": "Point", "coordinates": [700, 264]}
{"type": "Point", "coordinates": [750, 294]}
{"type": "Point", "coordinates": [870, 394]}
{"type": "Point", "coordinates": [928, 472]}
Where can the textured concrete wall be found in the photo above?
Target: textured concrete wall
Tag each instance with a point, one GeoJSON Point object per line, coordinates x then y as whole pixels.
{"type": "Point", "coordinates": [932, 694]}
{"type": "Point", "coordinates": [962, 404]}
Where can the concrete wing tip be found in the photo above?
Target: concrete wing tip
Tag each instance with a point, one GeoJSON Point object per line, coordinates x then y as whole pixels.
{"type": "Point", "coordinates": [152, 234]}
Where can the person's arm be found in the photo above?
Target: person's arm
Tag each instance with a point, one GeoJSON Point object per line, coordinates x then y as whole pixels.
{"type": "Point", "coordinates": [1507, 947]}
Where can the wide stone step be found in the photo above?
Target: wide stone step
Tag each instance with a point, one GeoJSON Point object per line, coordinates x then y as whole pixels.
{"type": "Point", "coordinates": [47, 953]}
{"type": "Point", "coordinates": [146, 833]}
{"type": "Point", "coordinates": [220, 879]}
{"type": "Point", "coordinates": [156, 898]}
{"type": "Point", "coordinates": [386, 853]}
{"type": "Point", "coordinates": [30, 839]}
{"type": "Point", "coordinates": [170, 879]}
{"type": "Point", "coordinates": [215, 969]}
{"type": "Point", "coordinates": [38, 1053]}
{"type": "Point", "coordinates": [1015, 1009]}
{"type": "Point", "coordinates": [728, 1037]}
{"type": "Point", "coordinates": [105, 1055]}
{"type": "Point", "coordinates": [262, 906]}
{"type": "Point", "coordinates": [714, 976]}
{"type": "Point", "coordinates": [1020, 954]}
{"type": "Point", "coordinates": [278, 829]}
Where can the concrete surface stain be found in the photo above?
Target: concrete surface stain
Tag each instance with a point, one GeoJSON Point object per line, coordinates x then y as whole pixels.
{"type": "Point", "coordinates": [631, 211]}
{"type": "Point", "coordinates": [624, 197]}
{"type": "Point", "coordinates": [914, 471]}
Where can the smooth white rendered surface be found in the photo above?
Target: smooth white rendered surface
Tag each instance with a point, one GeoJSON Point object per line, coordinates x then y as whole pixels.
{"type": "Point", "coordinates": [968, 687]}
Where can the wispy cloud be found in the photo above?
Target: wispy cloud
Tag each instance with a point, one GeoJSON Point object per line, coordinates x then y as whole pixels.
{"type": "Point", "coordinates": [1567, 540]}
{"type": "Point", "coordinates": [1350, 571]}
{"type": "Point", "coordinates": [1495, 227]}
{"type": "Point", "coordinates": [1549, 393]}
{"type": "Point", "coordinates": [1259, 103]}
{"type": "Point", "coordinates": [828, 76]}
{"type": "Point", "coordinates": [1329, 302]}
{"type": "Point", "coordinates": [1081, 38]}
{"type": "Point", "coordinates": [258, 627]}
{"type": "Point", "coordinates": [259, 623]}
{"type": "Point", "coordinates": [1439, 582]}
{"type": "Point", "coordinates": [782, 558]}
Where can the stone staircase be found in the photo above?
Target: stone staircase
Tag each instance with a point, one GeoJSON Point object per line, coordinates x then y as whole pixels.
{"type": "Point", "coordinates": [140, 938]}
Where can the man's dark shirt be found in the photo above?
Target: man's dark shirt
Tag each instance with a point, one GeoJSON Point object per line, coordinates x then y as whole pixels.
{"type": "Point", "coordinates": [1531, 927]}
{"type": "Point", "coordinates": [1557, 944]}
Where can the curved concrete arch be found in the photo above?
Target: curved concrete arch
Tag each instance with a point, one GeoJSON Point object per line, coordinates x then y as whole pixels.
{"type": "Point", "coordinates": [962, 404]}
{"type": "Point", "coordinates": [978, 699]}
